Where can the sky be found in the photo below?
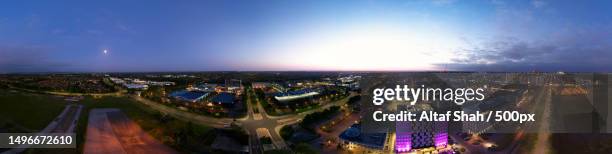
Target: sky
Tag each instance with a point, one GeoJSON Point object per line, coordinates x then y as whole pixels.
{"type": "Point", "coordinates": [316, 35]}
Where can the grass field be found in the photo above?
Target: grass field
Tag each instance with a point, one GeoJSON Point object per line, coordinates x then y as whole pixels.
{"type": "Point", "coordinates": [25, 112]}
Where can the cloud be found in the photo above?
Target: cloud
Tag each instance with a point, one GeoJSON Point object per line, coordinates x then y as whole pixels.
{"type": "Point", "coordinates": [121, 26]}
{"type": "Point", "coordinates": [538, 3]}
{"type": "Point", "coordinates": [575, 50]}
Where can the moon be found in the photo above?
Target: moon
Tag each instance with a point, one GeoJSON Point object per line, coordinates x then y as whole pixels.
{"type": "Point", "coordinates": [105, 51]}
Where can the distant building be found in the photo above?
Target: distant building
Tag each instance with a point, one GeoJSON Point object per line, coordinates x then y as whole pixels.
{"type": "Point", "coordinates": [136, 86]}
{"type": "Point", "coordinates": [278, 87]}
{"type": "Point", "coordinates": [117, 80]}
{"type": "Point", "coordinates": [138, 81]}
{"type": "Point", "coordinates": [162, 83]}
{"type": "Point", "coordinates": [260, 85]}
{"type": "Point", "coordinates": [206, 87]}
{"type": "Point", "coordinates": [234, 86]}
{"type": "Point", "coordinates": [293, 95]}
{"type": "Point", "coordinates": [354, 138]}
{"type": "Point", "coordinates": [133, 82]}
{"type": "Point", "coordinates": [351, 82]}
{"type": "Point", "coordinates": [189, 96]}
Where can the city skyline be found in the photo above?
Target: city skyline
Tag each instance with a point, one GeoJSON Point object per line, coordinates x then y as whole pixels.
{"type": "Point", "coordinates": [438, 35]}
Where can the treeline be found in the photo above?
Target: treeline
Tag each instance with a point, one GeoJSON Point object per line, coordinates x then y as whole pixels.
{"type": "Point", "coordinates": [261, 96]}
{"type": "Point", "coordinates": [313, 118]}
{"type": "Point", "coordinates": [354, 99]}
{"type": "Point", "coordinates": [309, 120]}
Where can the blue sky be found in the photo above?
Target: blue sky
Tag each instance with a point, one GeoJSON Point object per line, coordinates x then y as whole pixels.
{"type": "Point", "coordinates": [49, 36]}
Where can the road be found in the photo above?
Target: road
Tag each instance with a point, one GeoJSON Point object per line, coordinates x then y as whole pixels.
{"type": "Point", "coordinates": [542, 144]}
{"type": "Point", "coordinates": [542, 99]}
{"type": "Point", "coordinates": [185, 115]}
{"type": "Point", "coordinates": [333, 136]}
{"type": "Point", "coordinates": [250, 123]}
{"type": "Point", "coordinates": [64, 123]}
{"type": "Point", "coordinates": [274, 123]}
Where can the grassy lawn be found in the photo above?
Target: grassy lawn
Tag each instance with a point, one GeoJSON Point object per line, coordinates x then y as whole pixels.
{"type": "Point", "coordinates": [307, 108]}
{"type": "Point", "coordinates": [24, 112]}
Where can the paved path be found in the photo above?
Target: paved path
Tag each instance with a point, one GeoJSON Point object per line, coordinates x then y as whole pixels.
{"type": "Point", "coordinates": [542, 144]}
{"type": "Point", "coordinates": [68, 123]}
{"type": "Point", "coordinates": [274, 123]}
{"type": "Point", "coordinates": [64, 123]}
{"type": "Point", "coordinates": [250, 123]}
{"type": "Point", "coordinates": [541, 97]}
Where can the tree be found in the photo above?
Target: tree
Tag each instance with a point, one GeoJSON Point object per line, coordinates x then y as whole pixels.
{"type": "Point", "coordinates": [314, 117]}
{"type": "Point", "coordinates": [286, 132]}
{"type": "Point", "coordinates": [303, 148]}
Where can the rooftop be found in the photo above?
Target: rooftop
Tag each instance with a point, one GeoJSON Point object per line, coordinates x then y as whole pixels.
{"type": "Point", "coordinates": [224, 98]}
{"type": "Point", "coordinates": [354, 134]}
{"type": "Point", "coordinates": [191, 96]}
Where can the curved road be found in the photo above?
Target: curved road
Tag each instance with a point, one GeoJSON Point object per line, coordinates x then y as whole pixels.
{"type": "Point", "coordinates": [250, 123]}
{"type": "Point", "coordinates": [274, 123]}
{"type": "Point", "coordinates": [185, 115]}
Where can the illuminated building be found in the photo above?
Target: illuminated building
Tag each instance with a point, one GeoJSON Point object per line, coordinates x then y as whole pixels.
{"type": "Point", "coordinates": [293, 95]}
{"type": "Point", "coordinates": [189, 96]}
{"type": "Point", "coordinates": [353, 137]}
{"type": "Point", "coordinates": [260, 85]}
{"type": "Point", "coordinates": [412, 136]}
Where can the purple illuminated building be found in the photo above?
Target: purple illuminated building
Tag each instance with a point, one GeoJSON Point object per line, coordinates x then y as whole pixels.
{"type": "Point", "coordinates": [441, 139]}
{"type": "Point", "coordinates": [416, 135]}
{"type": "Point", "coordinates": [403, 142]}
{"type": "Point", "coordinates": [403, 137]}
